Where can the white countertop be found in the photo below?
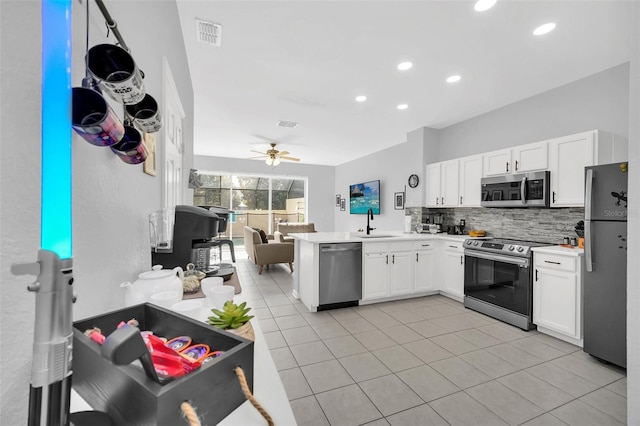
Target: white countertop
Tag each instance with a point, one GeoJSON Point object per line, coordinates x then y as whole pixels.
{"type": "Point", "coordinates": [267, 386]}
{"type": "Point", "coordinates": [565, 251]}
{"type": "Point", "coordinates": [361, 237]}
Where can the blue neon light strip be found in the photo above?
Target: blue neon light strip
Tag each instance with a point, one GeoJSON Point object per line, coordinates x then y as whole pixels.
{"type": "Point", "coordinates": [55, 231]}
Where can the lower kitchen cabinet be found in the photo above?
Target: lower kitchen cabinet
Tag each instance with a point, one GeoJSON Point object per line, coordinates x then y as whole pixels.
{"type": "Point", "coordinates": [557, 295]}
{"type": "Point", "coordinates": [453, 269]}
{"type": "Point", "coordinates": [424, 267]}
{"type": "Point", "coordinates": [387, 270]}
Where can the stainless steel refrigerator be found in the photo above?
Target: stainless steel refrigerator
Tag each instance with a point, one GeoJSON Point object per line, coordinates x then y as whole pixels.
{"type": "Point", "coordinates": [605, 263]}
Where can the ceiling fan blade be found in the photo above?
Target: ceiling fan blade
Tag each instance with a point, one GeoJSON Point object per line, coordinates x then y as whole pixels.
{"type": "Point", "coordinates": [259, 152]}
{"type": "Point", "coordinates": [281, 153]}
{"type": "Point", "coordinates": [289, 158]}
{"type": "Point", "coordinates": [254, 158]}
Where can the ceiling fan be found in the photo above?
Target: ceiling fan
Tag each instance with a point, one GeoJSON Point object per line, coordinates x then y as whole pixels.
{"type": "Point", "coordinates": [273, 156]}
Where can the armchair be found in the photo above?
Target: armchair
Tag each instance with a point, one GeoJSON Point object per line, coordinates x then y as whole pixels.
{"type": "Point", "coordinates": [268, 253]}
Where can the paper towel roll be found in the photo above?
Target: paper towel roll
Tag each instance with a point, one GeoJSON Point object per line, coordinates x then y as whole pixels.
{"type": "Point", "coordinates": [407, 224]}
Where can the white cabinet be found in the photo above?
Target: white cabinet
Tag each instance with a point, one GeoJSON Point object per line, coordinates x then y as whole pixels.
{"type": "Point", "coordinates": [520, 159]}
{"type": "Point", "coordinates": [375, 277]}
{"type": "Point", "coordinates": [470, 175]}
{"type": "Point", "coordinates": [453, 269]}
{"type": "Point", "coordinates": [557, 295]}
{"type": "Point", "coordinates": [442, 184]}
{"type": "Point", "coordinates": [387, 270]}
{"type": "Point", "coordinates": [424, 266]}
{"type": "Point", "coordinates": [497, 162]}
{"type": "Point", "coordinates": [569, 156]}
{"type": "Point", "coordinates": [454, 183]}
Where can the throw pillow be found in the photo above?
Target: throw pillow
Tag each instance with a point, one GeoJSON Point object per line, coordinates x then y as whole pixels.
{"type": "Point", "coordinates": [263, 235]}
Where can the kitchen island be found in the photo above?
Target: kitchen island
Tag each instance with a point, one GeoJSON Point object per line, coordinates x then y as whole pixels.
{"type": "Point", "coordinates": [395, 265]}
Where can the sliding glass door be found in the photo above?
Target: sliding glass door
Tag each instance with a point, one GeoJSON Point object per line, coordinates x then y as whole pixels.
{"type": "Point", "coordinates": [255, 200]}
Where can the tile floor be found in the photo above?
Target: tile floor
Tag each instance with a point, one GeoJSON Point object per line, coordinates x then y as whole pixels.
{"type": "Point", "coordinates": [425, 361]}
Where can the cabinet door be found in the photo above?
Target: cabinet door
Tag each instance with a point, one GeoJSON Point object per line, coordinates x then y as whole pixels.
{"type": "Point", "coordinates": [454, 272]}
{"type": "Point", "coordinates": [470, 175]}
{"type": "Point", "coordinates": [423, 273]}
{"type": "Point", "coordinates": [376, 276]}
{"type": "Point", "coordinates": [568, 157]}
{"type": "Point", "coordinates": [555, 301]}
{"type": "Point", "coordinates": [497, 162]}
{"type": "Point", "coordinates": [449, 177]}
{"type": "Point", "coordinates": [433, 185]}
{"type": "Point", "coordinates": [400, 273]}
{"type": "Point", "coordinates": [530, 157]}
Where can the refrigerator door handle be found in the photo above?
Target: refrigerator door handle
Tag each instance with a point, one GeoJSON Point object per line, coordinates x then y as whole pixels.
{"type": "Point", "coordinates": [588, 261]}
{"type": "Point", "coordinates": [588, 189]}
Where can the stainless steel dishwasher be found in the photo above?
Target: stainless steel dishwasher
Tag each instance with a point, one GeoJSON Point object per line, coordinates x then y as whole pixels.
{"type": "Point", "coordinates": [340, 275]}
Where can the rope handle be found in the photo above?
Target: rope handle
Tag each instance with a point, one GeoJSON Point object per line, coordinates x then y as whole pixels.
{"type": "Point", "coordinates": [190, 414]}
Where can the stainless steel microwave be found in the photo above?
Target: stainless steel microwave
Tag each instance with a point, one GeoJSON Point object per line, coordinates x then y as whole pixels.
{"type": "Point", "coordinates": [519, 190]}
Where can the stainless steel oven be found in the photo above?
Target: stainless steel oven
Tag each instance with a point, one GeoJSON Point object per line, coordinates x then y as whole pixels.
{"type": "Point", "coordinates": [498, 279]}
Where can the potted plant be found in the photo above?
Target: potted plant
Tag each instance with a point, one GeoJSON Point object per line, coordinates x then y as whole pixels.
{"type": "Point", "coordinates": [234, 319]}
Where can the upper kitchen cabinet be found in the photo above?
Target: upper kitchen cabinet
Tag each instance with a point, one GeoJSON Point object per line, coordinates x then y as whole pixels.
{"type": "Point", "coordinates": [470, 175]}
{"type": "Point", "coordinates": [569, 155]}
{"type": "Point", "coordinates": [454, 183]}
{"type": "Point", "coordinates": [519, 159]}
{"type": "Point", "coordinates": [442, 184]}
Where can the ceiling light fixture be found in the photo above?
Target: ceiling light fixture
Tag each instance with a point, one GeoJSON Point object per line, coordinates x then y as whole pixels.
{"type": "Point", "coordinates": [402, 106]}
{"type": "Point", "coordinates": [361, 98]}
{"type": "Point", "coordinates": [453, 79]}
{"type": "Point", "coordinates": [482, 5]}
{"type": "Point", "coordinates": [272, 161]}
{"type": "Point", "coordinates": [544, 29]}
{"type": "Point", "coordinates": [403, 66]}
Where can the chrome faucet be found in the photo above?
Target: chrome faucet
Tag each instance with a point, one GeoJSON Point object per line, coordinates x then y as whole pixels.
{"type": "Point", "coordinates": [369, 215]}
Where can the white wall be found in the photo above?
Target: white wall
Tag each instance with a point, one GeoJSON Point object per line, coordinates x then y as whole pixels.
{"type": "Point", "coordinates": [392, 167]}
{"type": "Point", "coordinates": [111, 200]}
{"type": "Point", "coordinates": [600, 101]}
{"type": "Point", "coordinates": [320, 196]}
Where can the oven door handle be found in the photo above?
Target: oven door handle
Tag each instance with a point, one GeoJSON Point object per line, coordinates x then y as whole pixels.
{"type": "Point", "coordinates": [499, 258]}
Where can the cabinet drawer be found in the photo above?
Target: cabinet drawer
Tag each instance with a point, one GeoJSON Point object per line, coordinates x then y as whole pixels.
{"type": "Point", "coordinates": [451, 246]}
{"type": "Point", "coordinates": [400, 246]}
{"type": "Point", "coordinates": [562, 263]}
{"type": "Point", "coordinates": [424, 245]}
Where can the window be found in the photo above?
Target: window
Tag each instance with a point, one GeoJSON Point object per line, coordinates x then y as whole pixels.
{"type": "Point", "coordinates": [257, 201]}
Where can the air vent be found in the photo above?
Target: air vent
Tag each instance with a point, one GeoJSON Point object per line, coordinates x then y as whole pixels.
{"type": "Point", "coordinates": [289, 124]}
{"type": "Point", "coordinates": [208, 32]}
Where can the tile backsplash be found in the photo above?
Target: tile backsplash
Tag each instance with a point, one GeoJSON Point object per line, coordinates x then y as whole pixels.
{"type": "Point", "coordinates": [545, 225]}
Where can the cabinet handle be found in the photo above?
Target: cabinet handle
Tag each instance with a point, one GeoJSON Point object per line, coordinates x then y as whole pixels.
{"type": "Point", "coordinates": [393, 259]}
{"type": "Point", "coordinates": [442, 200]}
{"type": "Point", "coordinates": [387, 261]}
{"type": "Point", "coordinates": [461, 258]}
{"type": "Point", "coordinates": [436, 201]}
{"type": "Point", "coordinates": [516, 165]}
{"type": "Point", "coordinates": [536, 275]}
{"type": "Point", "coordinates": [507, 167]}
{"type": "Point", "coordinates": [416, 257]}
{"type": "Point", "coordinates": [460, 199]}
{"type": "Point", "coordinates": [555, 263]}
{"type": "Point", "coordinates": [425, 245]}
{"type": "Point", "coordinates": [553, 197]}
{"type": "Point", "coordinates": [455, 247]}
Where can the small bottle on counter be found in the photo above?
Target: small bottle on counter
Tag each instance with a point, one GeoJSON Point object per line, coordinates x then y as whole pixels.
{"type": "Point", "coordinates": [574, 241]}
{"type": "Point", "coordinates": [565, 240]}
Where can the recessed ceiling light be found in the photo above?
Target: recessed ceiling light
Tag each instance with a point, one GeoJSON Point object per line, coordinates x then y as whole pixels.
{"type": "Point", "coordinates": [361, 98]}
{"type": "Point", "coordinates": [403, 106]}
{"type": "Point", "coordinates": [482, 5]}
{"type": "Point", "coordinates": [403, 66]}
{"type": "Point", "coordinates": [543, 29]}
{"type": "Point", "coordinates": [453, 78]}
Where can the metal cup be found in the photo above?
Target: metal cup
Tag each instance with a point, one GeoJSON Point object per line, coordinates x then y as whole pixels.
{"type": "Point", "coordinates": [116, 73]}
{"type": "Point", "coordinates": [145, 115]}
{"type": "Point", "coordinates": [131, 148]}
{"type": "Point", "coordinates": [93, 119]}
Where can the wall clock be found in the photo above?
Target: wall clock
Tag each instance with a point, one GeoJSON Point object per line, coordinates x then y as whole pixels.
{"type": "Point", "coordinates": [413, 181]}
